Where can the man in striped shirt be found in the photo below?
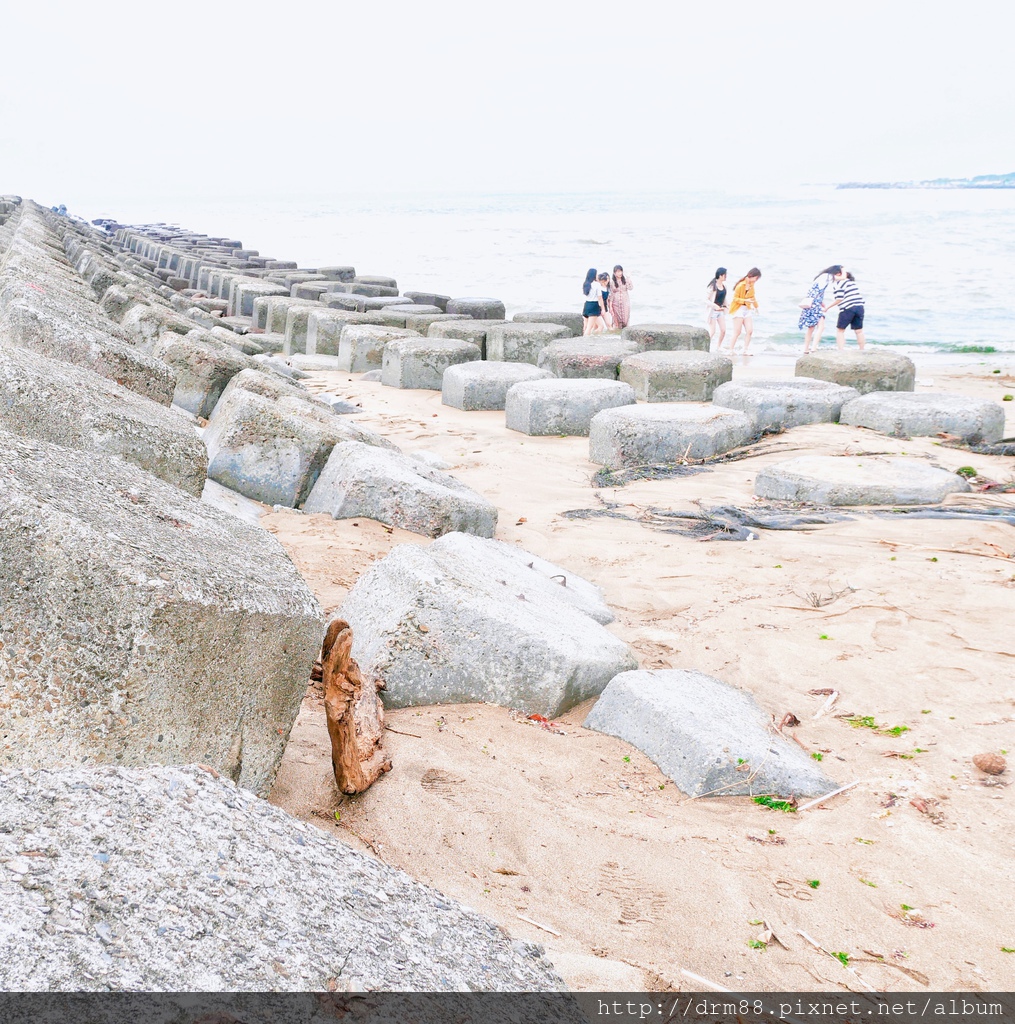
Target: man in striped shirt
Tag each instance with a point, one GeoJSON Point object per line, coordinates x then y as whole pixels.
{"type": "Point", "coordinates": [850, 302]}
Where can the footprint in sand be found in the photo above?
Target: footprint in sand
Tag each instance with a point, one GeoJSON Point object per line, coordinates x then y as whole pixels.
{"type": "Point", "coordinates": [639, 905]}
{"type": "Point", "coordinates": [440, 782]}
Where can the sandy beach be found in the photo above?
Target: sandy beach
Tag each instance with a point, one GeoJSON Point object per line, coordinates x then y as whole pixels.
{"type": "Point", "coordinates": [576, 840]}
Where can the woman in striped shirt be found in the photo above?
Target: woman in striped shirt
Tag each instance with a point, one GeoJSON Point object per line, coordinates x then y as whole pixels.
{"type": "Point", "coordinates": [850, 303]}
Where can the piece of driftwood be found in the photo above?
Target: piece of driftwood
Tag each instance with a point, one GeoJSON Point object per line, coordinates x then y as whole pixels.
{"type": "Point", "coordinates": [355, 714]}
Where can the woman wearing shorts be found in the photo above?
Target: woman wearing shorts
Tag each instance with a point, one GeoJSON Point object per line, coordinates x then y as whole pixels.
{"type": "Point", "coordinates": [717, 306]}
{"type": "Point", "coordinates": [812, 309]}
{"type": "Point", "coordinates": [743, 307]}
{"type": "Point", "coordinates": [604, 287]}
{"type": "Point", "coordinates": [850, 303]}
{"type": "Point", "coordinates": [592, 309]}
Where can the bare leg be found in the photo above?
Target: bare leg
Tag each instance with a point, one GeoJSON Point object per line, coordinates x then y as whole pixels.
{"type": "Point", "coordinates": [840, 338]}
{"type": "Point", "coordinates": [819, 329]}
{"type": "Point", "coordinates": [748, 332]}
{"type": "Point", "coordinates": [808, 334]}
{"type": "Point", "coordinates": [860, 340]}
{"type": "Point", "coordinates": [738, 324]}
{"type": "Point", "coordinates": [721, 321]}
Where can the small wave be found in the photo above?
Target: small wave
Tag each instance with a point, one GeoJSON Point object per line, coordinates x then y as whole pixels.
{"type": "Point", "coordinates": [591, 241]}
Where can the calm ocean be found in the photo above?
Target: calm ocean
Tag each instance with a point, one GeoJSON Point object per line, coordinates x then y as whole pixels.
{"type": "Point", "coordinates": [936, 267]}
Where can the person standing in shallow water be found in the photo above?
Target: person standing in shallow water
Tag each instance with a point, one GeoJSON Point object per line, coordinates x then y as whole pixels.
{"type": "Point", "coordinates": [620, 299]}
{"type": "Point", "coordinates": [743, 307]}
{"type": "Point", "coordinates": [812, 309]}
{"type": "Point", "coordinates": [592, 308]}
{"type": "Point", "coordinates": [851, 309]}
{"type": "Point", "coordinates": [717, 307]}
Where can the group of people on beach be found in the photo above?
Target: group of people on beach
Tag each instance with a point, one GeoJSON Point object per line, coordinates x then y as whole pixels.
{"type": "Point", "coordinates": [744, 304]}
{"type": "Point", "coordinates": [606, 300]}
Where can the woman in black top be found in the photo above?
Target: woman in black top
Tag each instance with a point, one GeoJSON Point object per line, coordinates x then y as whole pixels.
{"type": "Point", "coordinates": [717, 306]}
{"type": "Point", "coordinates": [592, 309]}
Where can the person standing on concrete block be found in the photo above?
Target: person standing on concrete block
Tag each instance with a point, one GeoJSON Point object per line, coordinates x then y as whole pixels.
{"type": "Point", "coordinates": [592, 310]}
{"type": "Point", "coordinates": [812, 308]}
{"type": "Point", "coordinates": [604, 287]}
{"type": "Point", "coordinates": [717, 307]}
{"type": "Point", "coordinates": [743, 307]}
{"type": "Point", "coordinates": [619, 298]}
{"type": "Point", "coordinates": [851, 309]}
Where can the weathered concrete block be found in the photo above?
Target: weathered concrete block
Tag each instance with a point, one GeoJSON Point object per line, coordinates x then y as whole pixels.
{"type": "Point", "coordinates": [429, 299]}
{"type": "Point", "coordinates": [344, 300]}
{"type": "Point", "coordinates": [280, 265]}
{"type": "Point", "coordinates": [650, 434]}
{"type": "Point", "coordinates": [392, 488]}
{"type": "Point", "coordinates": [554, 406]}
{"type": "Point", "coordinates": [277, 310]}
{"type": "Point", "coordinates": [437, 627]}
{"type": "Point", "coordinates": [378, 280]}
{"type": "Point", "coordinates": [521, 342]}
{"type": "Point", "coordinates": [481, 385]}
{"type": "Point", "coordinates": [421, 362]}
{"type": "Point", "coordinates": [466, 329]}
{"type": "Point", "coordinates": [190, 634]}
{"type": "Point", "coordinates": [48, 400]}
{"type": "Point", "coordinates": [422, 322]}
{"type": "Point", "coordinates": [203, 365]}
{"type": "Point", "coordinates": [675, 376]}
{"type": "Point", "coordinates": [574, 322]}
{"type": "Point", "coordinates": [857, 480]}
{"type": "Point", "coordinates": [866, 371]}
{"type": "Point", "coordinates": [667, 337]}
{"type": "Point", "coordinates": [973, 420]}
{"type": "Point", "coordinates": [709, 737]}
{"type": "Point", "coordinates": [478, 309]}
{"type": "Point", "coordinates": [413, 308]}
{"type": "Point", "coordinates": [585, 357]}
{"type": "Point", "coordinates": [247, 291]}
{"type": "Point", "coordinates": [269, 440]}
{"type": "Point", "coordinates": [337, 273]}
{"type": "Point", "coordinates": [297, 324]}
{"type": "Point", "coordinates": [312, 290]}
{"type": "Point", "coordinates": [324, 329]}
{"type": "Point", "coordinates": [361, 346]}
{"type": "Point", "coordinates": [780, 404]}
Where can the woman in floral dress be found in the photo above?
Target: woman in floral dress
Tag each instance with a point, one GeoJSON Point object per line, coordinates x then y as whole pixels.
{"type": "Point", "coordinates": [812, 312]}
{"type": "Point", "coordinates": [620, 299]}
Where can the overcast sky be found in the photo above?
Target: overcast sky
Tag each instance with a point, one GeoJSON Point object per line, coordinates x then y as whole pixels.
{"type": "Point", "coordinates": [103, 100]}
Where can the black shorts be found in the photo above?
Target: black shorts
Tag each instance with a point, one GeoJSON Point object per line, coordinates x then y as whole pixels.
{"type": "Point", "coordinates": [591, 309]}
{"type": "Point", "coordinates": [852, 317]}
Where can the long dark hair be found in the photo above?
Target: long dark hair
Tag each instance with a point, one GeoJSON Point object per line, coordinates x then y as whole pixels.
{"type": "Point", "coordinates": [713, 285]}
{"type": "Point", "coordinates": [613, 279]}
{"type": "Point", "coordinates": [589, 278]}
{"type": "Point", "coordinates": [753, 272]}
{"type": "Point", "coordinates": [835, 268]}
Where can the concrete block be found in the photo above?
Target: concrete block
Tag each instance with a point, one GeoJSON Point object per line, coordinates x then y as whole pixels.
{"type": "Point", "coordinates": [667, 337]}
{"type": "Point", "coordinates": [902, 414]}
{"type": "Point", "coordinates": [337, 273]}
{"type": "Point", "coordinates": [392, 488]}
{"type": "Point", "coordinates": [361, 346]}
{"type": "Point", "coordinates": [482, 385]}
{"type": "Point", "coordinates": [709, 737]}
{"type": "Point", "coordinates": [665, 432]}
{"type": "Point", "coordinates": [478, 309]}
{"type": "Point", "coordinates": [543, 407]}
{"type": "Point", "coordinates": [574, 322]}
{"type": "Point", "coordinates": [429, 299]}
{"type": "Point", "coordinates": [421, 321]}
{"type": "Point", "coordinates": [585, 357]}
{"type": "Point", "coordinates": [675, 375]}
{"type": "Point", "coordinates": [467, 329]}
{"type": "Point", "coordinates": [866, 371]}
{"type": "Point", "coordinates": [780, 404]}
{"type": "Point", "coordinates": [857, 480]}
{"type": "Point", "coordinates": [421, 362]}
{"type": "Point", "coordinates": [521, 342]}
{"type": "Point", "coordinates": [297, 323]}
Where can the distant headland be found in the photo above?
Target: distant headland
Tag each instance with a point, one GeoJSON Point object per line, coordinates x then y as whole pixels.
{"type": "Point", "coordinates": [980, 181]}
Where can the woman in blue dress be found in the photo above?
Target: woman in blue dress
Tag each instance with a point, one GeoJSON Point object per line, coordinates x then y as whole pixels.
{"type": "Point", "coordinates": [812, 314]}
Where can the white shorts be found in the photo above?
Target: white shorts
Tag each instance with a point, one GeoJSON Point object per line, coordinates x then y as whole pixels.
{"type": "Point", "coordinates": [714, 314]}
{"type": "Point", "coordinates": [743, 313]}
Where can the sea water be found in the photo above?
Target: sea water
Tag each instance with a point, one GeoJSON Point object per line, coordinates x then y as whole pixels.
{"type": "Point", "coordinates": [935, 266]}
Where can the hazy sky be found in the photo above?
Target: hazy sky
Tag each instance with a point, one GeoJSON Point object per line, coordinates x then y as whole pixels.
{"type": "Point", "coordinates": [103, 100]}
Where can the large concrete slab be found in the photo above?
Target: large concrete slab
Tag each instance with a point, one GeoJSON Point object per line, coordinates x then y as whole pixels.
{"type": "Point", "coordinates": [392, 488]}
{"type": "Point", "coordinates": [480, 385]}
{"type": "Point", "coordinates": [675, 375]}
{"type": "Point", "coordinates": [421, 362]}
{"type": "Point", "coordinates": [973, 420]}
{"type": "Point", "coordinates": [780, 404]}
{"type": "Point", "coordinates": [521, 342]}
{"type": "Point", "coordinates": [361, 346]}
{"type": "Point", "coordinates": [857, 480]}
{"type": "Point", "coordinates": [574, 322]}
{"type": "Point", "coordinates": [709, 737]}
{"type": "Point", "coordinates": [870, 370]}
{"type": "Point", "coordinates": [477, 308]}
{"type": "Point", "coordinates": [141, 624]}
{"type": "Point", "coordinates": [586, 357]}
{"type": "Point", "coordinates": [642, 435]}
{"type": "Point", "coordinates": [562, 407]}
{"type": "Point", "coordinates": [667, 337]}
{"type": "Point", "coordinates": [438, 627]}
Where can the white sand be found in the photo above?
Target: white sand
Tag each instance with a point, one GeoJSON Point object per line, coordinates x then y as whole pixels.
{"type": "Point", "coordinates": [582, 834]}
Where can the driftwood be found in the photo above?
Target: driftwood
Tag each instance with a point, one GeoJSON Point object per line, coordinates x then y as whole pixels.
{"type": "Point", "coordinates": [355, 714]}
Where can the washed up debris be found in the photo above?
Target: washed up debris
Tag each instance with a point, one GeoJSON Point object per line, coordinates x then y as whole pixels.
{"type": "Point", "coordinates": [990, 763]}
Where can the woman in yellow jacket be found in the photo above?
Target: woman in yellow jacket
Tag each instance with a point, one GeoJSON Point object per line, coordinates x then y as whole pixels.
{"type": "Point", "coordinates": [742, 309]}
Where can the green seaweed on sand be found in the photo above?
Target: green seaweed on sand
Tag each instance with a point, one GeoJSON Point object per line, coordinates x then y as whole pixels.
{"type": "Point", "coordinates": [775, 804]}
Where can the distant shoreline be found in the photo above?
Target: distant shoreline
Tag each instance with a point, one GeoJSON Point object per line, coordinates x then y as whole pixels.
{"type": "Point", "coordinates": [991, 181]}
